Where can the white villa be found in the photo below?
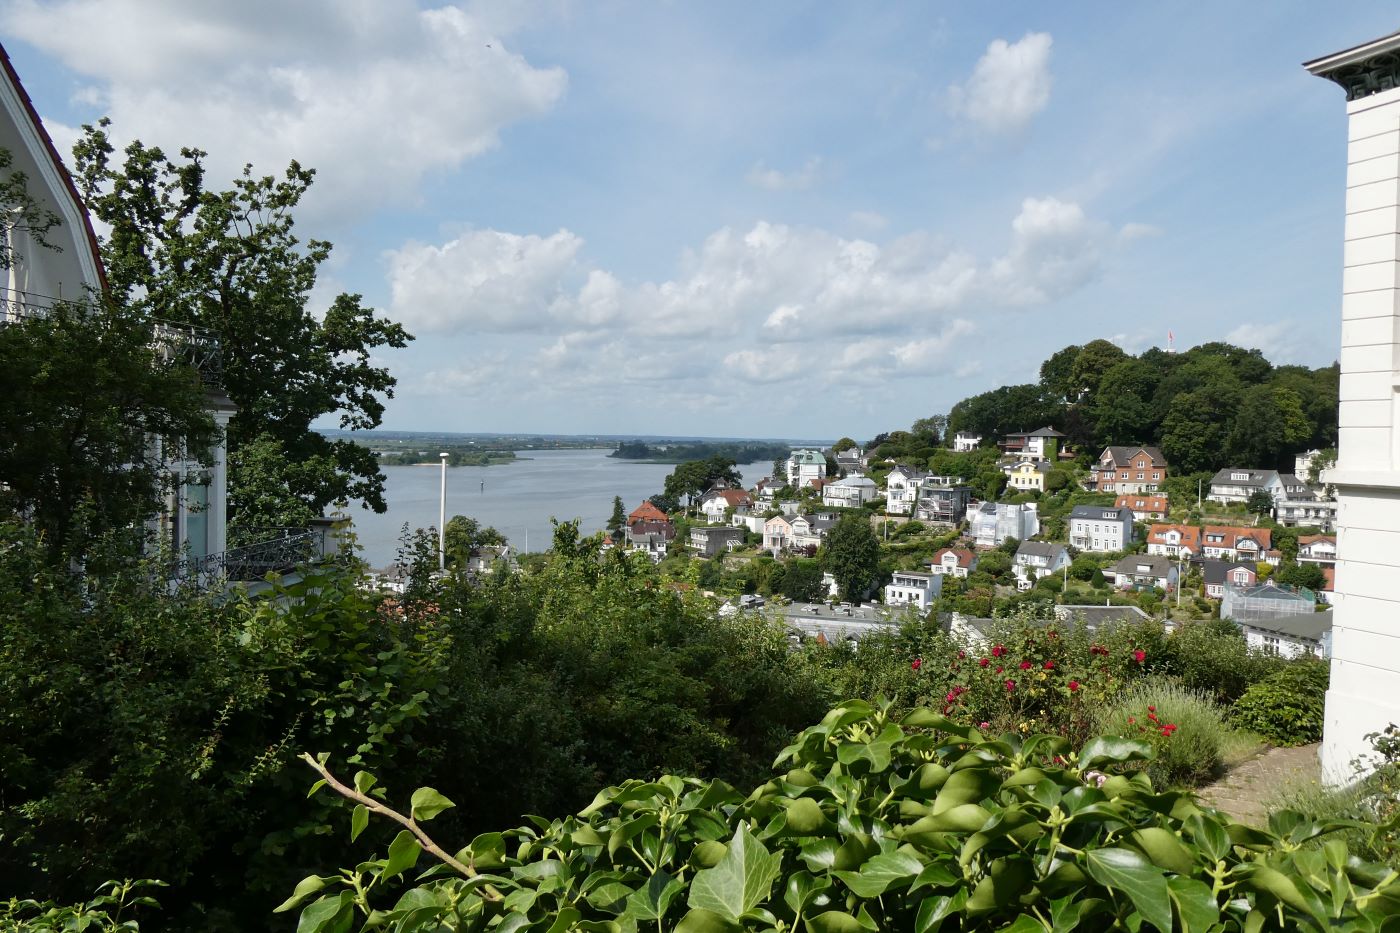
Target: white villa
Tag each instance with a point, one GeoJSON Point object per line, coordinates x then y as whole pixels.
{"type": "Point", "coordinates": [849, 493]}
{"type": "Point", "coordinates": [913, 589]}
{"type": "Point", "coordinates": [805, 465]}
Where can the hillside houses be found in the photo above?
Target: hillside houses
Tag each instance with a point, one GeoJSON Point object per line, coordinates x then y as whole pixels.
{"type": "Point", "coordinates": [1038, 445]}
{"type": "Point", "coordinates": [1100, 528]}
{"type": "Point", "coordinates": [1144, 571]}
{"type": "Point", "coordinates": [1295, 502]}
{"type": "Point", "coordinates": [1218, 574]}
{"type": "Point", "coordinates": [650, 531]}
{"type": "Point", "coordinates": [1174, 540]}
{"type": "Point", "coordinates": [991, 523]}
{"type": "Point", "coordinates": [1132, 470]}
{"type": "Point", "coordinates": [1221, 542]}
{"type": "Point", "coordinates": [942, 505]}
{"type": "Point", "coordinates": [902, 489]}
{"type": "Point", "coordinates": [849, 493]}
{"type": "Point", "coordinates": [1028, 475]}
{"type": "Point", "coordinates": [964, 441]}
{"type": "Point", "coordinates": [954, 562]}
{"type": "Point", "coordinates": [717, 502]}
{"type": "Point", "coordinates": [805, 466]}
{"type": "Point", "coordinates": [912, 589]}
{"type": "Point", "coordinates": [1036, 559]}
{"type": "Point", "coordinates": [1145, 508]}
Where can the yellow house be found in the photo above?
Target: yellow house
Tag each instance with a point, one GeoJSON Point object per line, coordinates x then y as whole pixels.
{"type": "Point", "coordinates": [1028, 476]}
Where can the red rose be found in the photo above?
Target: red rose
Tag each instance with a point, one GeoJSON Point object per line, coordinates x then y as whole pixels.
{"type": "Point", "coordinates": [961, 655]}
{"type": "Point", "coordinates": [984, 662]}
{"type": "Point", "coordinates": [1000, 668]}
{"type": "Point", "coordinates": [1139, 655]}
{"type": "Point", "coordinates": [998, 651]}
{"type": "Point", "coordinates": [1073, 686]}
{"type": "Point", "coordinates": [1025, 665]}
{"type": "Point", "coordinates": [1049, 665]}
{"type": "Point", "coordinates": [1152, 709]}
{"type": "Point", "coordinates": [917, 663]}
{"type": "Point", "coordinates": [1010, 685]}
{"type": "Point", "coordinates": [1131, 720]}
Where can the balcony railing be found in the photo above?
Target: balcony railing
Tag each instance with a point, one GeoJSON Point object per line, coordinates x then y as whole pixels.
{"type": "Point", "coordinates": [254, 553]}
{"type": "Point", "coordinates": [174, 342]}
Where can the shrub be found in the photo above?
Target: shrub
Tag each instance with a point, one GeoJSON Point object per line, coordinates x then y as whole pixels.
{"type": "Point", "coordinates": [1286, 706]}
{"type": "Point", "coordinates": [915, 824]}
{"type": "Point", "coordinates": [1184, 726]}
{"type": "Point", "coordinates": [109, 911]}
{"type": "Point", "coordinates": [1213, 656]}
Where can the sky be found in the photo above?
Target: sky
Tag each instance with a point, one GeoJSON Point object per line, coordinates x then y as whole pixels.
{"type": "Point", "coordinates": [785, 219]}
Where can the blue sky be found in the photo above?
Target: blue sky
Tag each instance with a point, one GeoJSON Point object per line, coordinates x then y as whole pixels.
{"type": "Point", "coordinates": [781, 219]}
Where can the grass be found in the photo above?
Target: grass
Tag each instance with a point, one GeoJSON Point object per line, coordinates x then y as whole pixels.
{"type": "Point", "coordinates": [1238, 746]}
{"type": "Point", "coordinates": [1355, 802]}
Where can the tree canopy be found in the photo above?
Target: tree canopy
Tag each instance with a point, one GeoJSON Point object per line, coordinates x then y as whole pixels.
{"type": "Point", "coordinates": [851, 554]}
{"type": "Point", "coordinates": [229, 261]}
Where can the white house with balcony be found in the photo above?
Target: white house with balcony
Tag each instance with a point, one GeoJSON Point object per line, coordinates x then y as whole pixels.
{"type": "Point", "coordinates": [991, 523]}
{"type": "Point", "coordinates": [194, 520]}
{"type": "Point", "coordinates": [912, 589]}
{"type": "Point", "coordinates": [902, 489]}
{"type": "Point", "coordinates": [849, 493]}
{"type": "Point", "coordinates": [1036, 559]}
{"type": "Point", "coordinates": [965, 441]}
{"type": "Point", "coordinates": [805, 465]}
{"type": "Point", "coordinates": [1100, 528]}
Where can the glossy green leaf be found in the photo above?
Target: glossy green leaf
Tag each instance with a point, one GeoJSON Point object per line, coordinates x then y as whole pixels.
{"type": "Point", "coordinates": [328, 915]}
{"type": "Point", "coordinates": [1196, 908]}
{"type": "Point", "coordinates": [403, 854]}
{"type": "Point", "coordinates": [741, 881]}
{"type": "Point", "coordinates": [934, 910]}
{"type": "Point", "coordinates": [834, 921]}
{"type": "Point", "coordinates": [1116, 750]}
{"type": "Point", "coordinates": [882, 873]}
{"type": "Point", "coordinates": [304, 889]}
{"type": "Point", "coordinates": [652, 900]}
{"type": "Point", "coordinates": [359, 819]}
{"type": "Point", "coordinates": [962, 787]}
{"type": "Point", "coordinates": [1164, 849]}
{"type": "Point", "coordinates": [805, 818]}
{"type": "Point", "coordinates": [1126, 871]}
{"type": "Point", "coordinates": [428, 803]}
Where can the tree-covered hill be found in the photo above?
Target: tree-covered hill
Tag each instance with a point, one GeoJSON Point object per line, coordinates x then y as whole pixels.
{"type": "Point", "coordinates": [1209, 407]}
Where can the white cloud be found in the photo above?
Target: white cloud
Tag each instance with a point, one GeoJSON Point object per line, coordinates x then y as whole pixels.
{"type": "Point", "coordinates": [761, 176]}
{"type": "Point", "coordinates": [758, 306]}
{"type": "Point", "coordinates": [1280, 341]}
{"type": "Point", "coordinates": [492, 282]}
{"type": "Point", "coordinates": [1009, 85]}
{"type": "Point", "coordinates": [1055, 250]}
{"type": "Point", "coordinates": [374, 94]}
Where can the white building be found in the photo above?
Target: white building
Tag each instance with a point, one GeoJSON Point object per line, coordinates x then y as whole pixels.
{"type": "Point", "coordinates": [902, 489]}
{"type": "Point", "coordinates": [913, 588]}
{"type": "Point", "coordinates": [1364, 695]}
{"type": "Point", "coordinates": [805, 465]}
{"type": "Point", "coordinates": [1100, 528]}
{"type": "Point", "coordinates": [1036, 559]}
{"type": "Point", "coordinates": [991, 523]}
{"type": "Point", "coordinates": [964, 441]}
{"type": "Point", "coordinates": [194, 521]}
{"type": "Point", "coordinates": [849, 493]}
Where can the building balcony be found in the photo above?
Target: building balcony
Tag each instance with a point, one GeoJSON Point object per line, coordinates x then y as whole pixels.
{"type": "Point", "coordinates": [256, 551]}
{"type": "Point", "coordinates": [175, 343]}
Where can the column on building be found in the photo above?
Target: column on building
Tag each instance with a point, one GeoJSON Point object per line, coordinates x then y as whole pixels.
{"type": "Point", "coordinates": [1364, 695]}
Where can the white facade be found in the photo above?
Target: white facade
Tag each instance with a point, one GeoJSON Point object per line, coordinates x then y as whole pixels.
{"type": "Point", "coordinates": [1100, 528]}
{"type": "Point", "coordinates": [849, 493]}
{"type": "Point", "coordinates": [964, 441]}
{"type": "Point", "coordinates": [1036, 559]}
{"type": "Point", "coordinates": [910, 588]}
{"type": "Point", "coordinates": [991, 523]}
{"type": "Point", "coordinates": [805, 465]}
{"type": "Point", "coordinates": [902, 490]}
{"type": "Point", "coordinates": [1364, 695]}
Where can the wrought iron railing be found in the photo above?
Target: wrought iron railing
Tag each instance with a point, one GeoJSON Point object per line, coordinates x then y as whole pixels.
{"type": "Point", "coordinates": [281, 550]}
{"type": "Point", "coordinates": [175, 342]}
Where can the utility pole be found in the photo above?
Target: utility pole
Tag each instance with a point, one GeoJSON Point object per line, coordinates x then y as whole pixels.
{"type": "Point", "coordinates": [442, 515]}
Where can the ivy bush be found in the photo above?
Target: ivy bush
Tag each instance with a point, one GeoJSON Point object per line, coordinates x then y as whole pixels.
{"type": "Point", "coordinates": [1286, 707]}
{"type": "Point", "coordinates": [876, 824]}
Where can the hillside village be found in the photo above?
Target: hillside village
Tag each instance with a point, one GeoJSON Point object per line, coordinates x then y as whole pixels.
{"type": "Point", "coordinates": [1054, 525]}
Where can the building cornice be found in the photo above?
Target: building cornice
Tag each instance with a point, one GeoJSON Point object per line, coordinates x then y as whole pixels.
{"type": "Point", "coordinates": [1363, 70]}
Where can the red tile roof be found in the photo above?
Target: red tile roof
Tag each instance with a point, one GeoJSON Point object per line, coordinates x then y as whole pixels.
{"type": "Point", "coordinates": [1142, 503]}
{"type": "Point", "coordinates": [964, 556]}
{"type": "Point", "coordinates": [1231, 535]}
{"type": "Point", "coordinates": [1190, 536]}
{"type": "Point", "coordinates": [647, 512]}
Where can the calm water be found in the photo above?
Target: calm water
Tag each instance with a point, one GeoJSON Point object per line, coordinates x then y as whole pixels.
{"type": "Point", "coordinates": [518, 499]}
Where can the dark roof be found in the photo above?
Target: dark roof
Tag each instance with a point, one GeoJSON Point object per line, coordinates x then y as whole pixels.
{"type": "Point", "coordinates": [1123, 455]}
{"type": "Point", "coordinates": [1097, 513]}
{"type": "Point", "coordinates": [1310, 626]}
{"type": "Point", "coordinates": [1040, 548]}
{"type": "Point", "coordinates": [1214, 572]}
{"type": "Point", "coordinates": [1101, 617]}
{"type": "Point", "coordinates": [1157, 564]}
{"type": "Point", "coordinates": [1256, 477]}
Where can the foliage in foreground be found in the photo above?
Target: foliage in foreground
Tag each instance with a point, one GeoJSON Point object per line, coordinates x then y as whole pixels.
{"type": "Point", "coordinates": [109, 910]}
{"type": "Point", "coordinates": [920, 824]}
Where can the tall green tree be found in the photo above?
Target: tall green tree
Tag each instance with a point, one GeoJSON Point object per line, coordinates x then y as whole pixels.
{"type": "Point", "coordinates": [231, 262]}
{"type": "Point", "coordinates": [851, 554]}
{"type": "Point", "coordinates": [464, 534]}
{"type": "Point", "coordinates": [618, 518]}
{"type": "Point", "coordinates": [91, 414]}
{"type": "Point", "coordinates": [693, 477]}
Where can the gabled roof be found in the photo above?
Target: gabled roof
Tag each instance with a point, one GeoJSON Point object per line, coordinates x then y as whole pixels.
{"type": "Point", "coordinates": [1155, 564]}
{"type": "Point", "coordinates": [965, 558]}
{"type": "Point", "coordinates": [1142, 503]}
{"type": "Point", "coordinates": [1216, 572]}
{"type": "Point", "coordinates": [1232, 535]}
{"type": "Point", "coordinates": [1123, 456]}
{"type": "Point", "coordinates": [1190, 536]}
{"type": "Point", "coordinates": [647, 512]}
{"type": "Point", "coordinates": [1305, 626]}
{"type": "Point", "coordinates": [1226, 477]}
{"type": "Point", "coordinates": [734, 497]}
{"type": "Point", "coordinates": [1040, 549]}
{"type": "Point", "coordinates": [807, 455]}
{"type": "Point", "coordinates": [73, 206]}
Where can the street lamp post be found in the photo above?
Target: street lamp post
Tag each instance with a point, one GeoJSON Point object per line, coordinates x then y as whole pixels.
{"type": "Point", "coordinates": [442, 516]}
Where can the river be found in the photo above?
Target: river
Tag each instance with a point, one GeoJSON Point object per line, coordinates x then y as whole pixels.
{"type": "Point", "coordinates": [517, 499]}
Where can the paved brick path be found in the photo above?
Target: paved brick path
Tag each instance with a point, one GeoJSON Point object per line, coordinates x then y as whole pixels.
{"type": "Point", "coordinates": [1248, 787]}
